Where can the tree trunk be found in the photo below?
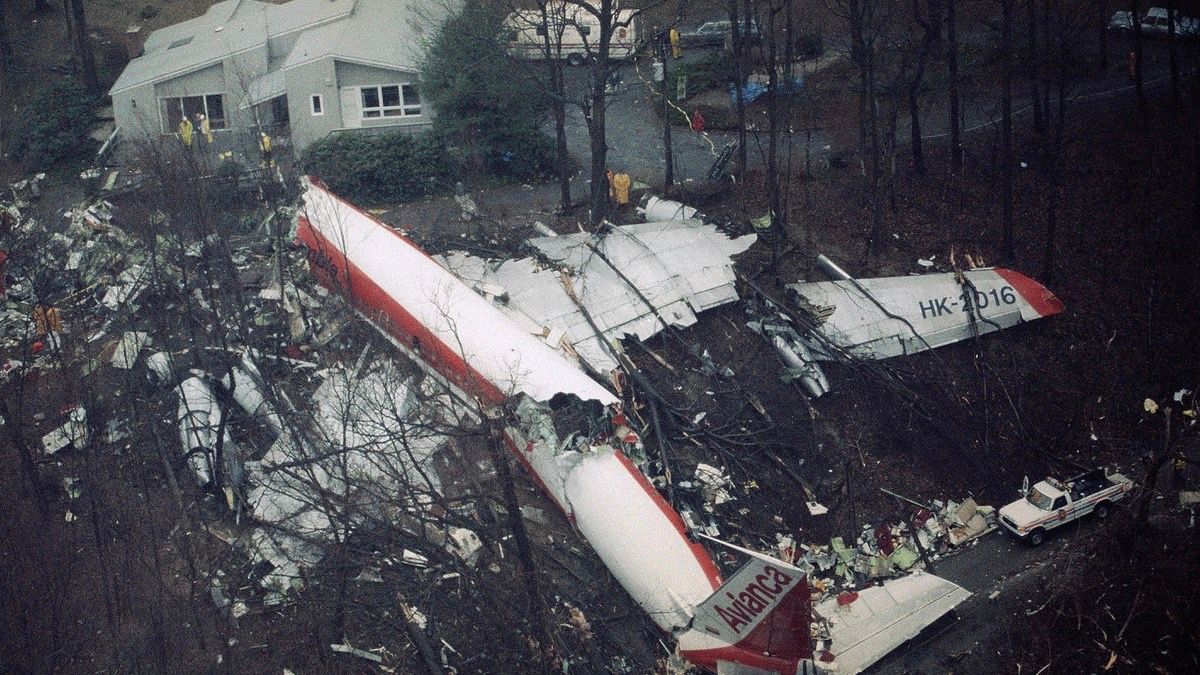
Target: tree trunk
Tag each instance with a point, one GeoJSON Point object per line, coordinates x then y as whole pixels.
{"type": "Point", "coordinates": [739, 67]}
{"type": "Point", "coordinates": [1035, 59]}
{"type": "Point", "coordinates": [16, 436]}
{"type": "Point", "coordinates": [1173, 52]}
{"type": "Point", "coordinates": [1196, 164]}
{"type": "Point", "coordinates": [558, 98]}
{"type": "Point", "coordinates": [6, 50]}
{"type": "Point", "coordinates": [914, 87]}
{"type": "Point", "coordinates": [668, 155]}
{"type": "Point", "coordinates": [956, 158]}
{"type": "Point", "coordinates": [1006, 128]}
{"type": "Point", "coordinates": [1150, 484]}
{"type": "Point", "coordinates": [1137, 55]}
{"type": "Point", "coordinates": [500, 458]}
{"type": "Point", "coordinates": [596, 115]}
{"type": "Point", "coordinates": [77, 21]}
{"type": "Point", "coordinates": [772, 132]}
{"type": "Point", "coordinates": [560, 144]}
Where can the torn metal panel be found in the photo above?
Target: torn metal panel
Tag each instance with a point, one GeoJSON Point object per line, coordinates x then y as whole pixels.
{"type": "Point", "coordinates": [884, 617]}
{"type": "Point", "coordinates": [129, 347]}
{"type": "Point", "coordinates": [199, 424]}
{"type": "Point", "coordinates": [679, 267]}
{"type": "Point", "coordinates": [247, 386]}
{"type": "Point", "coordinates": [892, 316]}
{"type": "Point", "coordinates": [792, 350]}
{"type": "Point", "coordinates": [655, 209]}
{"type": "Point", "coordinates": [370, 443]}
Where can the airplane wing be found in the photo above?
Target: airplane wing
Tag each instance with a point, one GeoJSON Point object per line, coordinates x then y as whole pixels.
{"type": "Point", "coordinates": [893, 316]}
{"type": "Point", "coordinates": [635, 280]}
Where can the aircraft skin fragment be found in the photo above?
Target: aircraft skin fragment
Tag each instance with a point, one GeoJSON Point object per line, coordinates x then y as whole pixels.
{"type": "Point", "coordinates": [893, 316]}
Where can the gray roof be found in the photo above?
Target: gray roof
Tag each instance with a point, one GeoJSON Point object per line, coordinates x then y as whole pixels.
{"type": "Point", "coordinates": [385, 33]}
{"type": "Point", "coordinates": [227, 28]}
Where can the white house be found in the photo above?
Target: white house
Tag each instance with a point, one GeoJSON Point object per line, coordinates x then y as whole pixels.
{"type": "Point", "coordinates": [304, 69]}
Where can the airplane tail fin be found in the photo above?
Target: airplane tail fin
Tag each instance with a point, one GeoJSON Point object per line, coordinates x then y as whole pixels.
{"type": "Point", "coordinates": [758, 621]}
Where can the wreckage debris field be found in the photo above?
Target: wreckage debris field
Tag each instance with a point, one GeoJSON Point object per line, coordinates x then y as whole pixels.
{"type": "Point", "coordinates": [216, 462]}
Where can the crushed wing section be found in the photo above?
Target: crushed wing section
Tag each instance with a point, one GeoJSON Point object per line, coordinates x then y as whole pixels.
{"type": "Point", "coordinates": [628, 280]}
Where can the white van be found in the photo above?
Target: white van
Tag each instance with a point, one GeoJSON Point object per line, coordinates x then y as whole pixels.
{"type": "Point", "coordinates": [573, 33]}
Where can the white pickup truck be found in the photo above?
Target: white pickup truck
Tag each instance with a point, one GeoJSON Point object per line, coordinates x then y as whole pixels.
{"type": "Point", "coordinates": [1051, 503]}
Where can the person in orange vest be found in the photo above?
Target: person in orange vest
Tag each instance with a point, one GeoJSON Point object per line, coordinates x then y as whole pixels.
{"type": "Point", "coordinates": [697, 122]}
{"type": "Point", "coordinates": [1133, 65]}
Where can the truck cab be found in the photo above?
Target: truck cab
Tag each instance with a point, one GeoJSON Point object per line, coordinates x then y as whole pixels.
{"type": "Point", "coordinates": [1051, 503]}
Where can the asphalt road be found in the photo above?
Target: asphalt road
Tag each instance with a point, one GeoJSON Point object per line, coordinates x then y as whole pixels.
{"type": "Point", "coordinates": [995, 564]}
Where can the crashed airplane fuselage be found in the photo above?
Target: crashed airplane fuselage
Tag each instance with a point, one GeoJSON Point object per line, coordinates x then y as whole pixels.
{"type": "Point", "coordinates": [759, 620]}
{"type": "Point", "coordinates": [494, 364]}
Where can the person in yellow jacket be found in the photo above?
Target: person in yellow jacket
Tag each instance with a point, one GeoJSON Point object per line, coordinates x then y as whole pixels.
{"type": "Point", "coordinates": [620, 187]}
{"type": "Point", "coordinates": [264, 144]}
{"type": "Point", "coordinates": [676, 47]}
{"type": "Point", "coordinates": [185, 132]}
{"type": "Point", "coordinates": [206, 128]}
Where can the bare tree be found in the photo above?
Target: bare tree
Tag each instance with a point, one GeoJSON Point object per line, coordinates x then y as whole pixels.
{"type": "Point", "coordinates": [1006, 203]}
{"type": "Point", "coordinates": [77, 30]}
{"type": "Point", "coordinates": [1034, 55]}
{"type": "Point", "coordinates": [6, 50]}
{"type": "Point", "coordinates": [1135, 16]}
{"type": "Point", "coordinates": [1173, 53]}
{"type": "Point", "coordinates": [741, 20]}
{"type": "Point", "coordinates": [928, 21]}
{"type": "Point", "coordinates": [956, 158]}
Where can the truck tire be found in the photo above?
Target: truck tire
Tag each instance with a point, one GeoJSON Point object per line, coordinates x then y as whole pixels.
{"type": "Point", "coordinates": [1037, 537]}
{"type": "Point", "coordinates": [1102, 510]}
{"type": "Point", "coordinates": [574, 59]}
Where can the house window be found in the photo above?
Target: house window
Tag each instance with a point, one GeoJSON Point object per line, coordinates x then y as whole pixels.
{"type": "Point", "coordinates": [390, 100]}
{"type": "Point", "coordinates": [175, 108]}
{"type": "Point", "coordinates": [318, 105]}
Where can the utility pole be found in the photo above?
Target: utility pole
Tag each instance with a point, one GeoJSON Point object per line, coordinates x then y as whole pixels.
{"type": "Point", "coordinates": [668, 158]}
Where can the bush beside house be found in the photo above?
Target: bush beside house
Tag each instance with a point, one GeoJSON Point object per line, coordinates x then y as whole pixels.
{"type": "Point", "coordinates": [488, 123]}
{"type": "Point", "coordinates": [387, 167]}
{"type": "Point", "coordinates": [51, 130]}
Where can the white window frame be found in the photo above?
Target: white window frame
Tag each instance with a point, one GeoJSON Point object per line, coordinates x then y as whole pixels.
{"type": "Point", "coordinates": [381, 111]}
{"type": "Point", "coordinates": [316, 104]}
{"type": "Point", "coordinates": [162, 123]}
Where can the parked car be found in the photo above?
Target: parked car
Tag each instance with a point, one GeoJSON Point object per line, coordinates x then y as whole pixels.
{"type": "Point", "coordinates": [1154, 23]}
{"type": "Point", "coordinates": [1052, 503]}
{"type": "Point", "coordinates": [713, 33]}
{"type": "Point", "coordinates": [1122, 21]}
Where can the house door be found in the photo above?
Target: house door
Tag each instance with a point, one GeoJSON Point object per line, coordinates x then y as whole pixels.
{"type": "Point", "coordinates": [279, 112]}
{"type": "Point", "coordinates": [351, 112]}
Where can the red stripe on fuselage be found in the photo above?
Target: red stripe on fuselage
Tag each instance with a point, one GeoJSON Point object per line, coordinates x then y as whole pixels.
{"type": "Point", "coordinates": [370, 298]}
{"type": "Point", "coordinates": [702, 557]}
{"type": "Point", "coordinates": [1038, 296]}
